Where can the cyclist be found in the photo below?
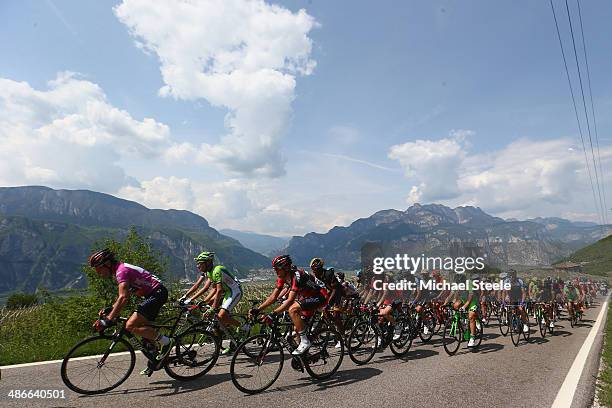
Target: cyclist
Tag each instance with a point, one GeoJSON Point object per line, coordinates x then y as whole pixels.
{"type": "Point", "coordinates": [389, 300]}
{"type": "Point", "coordinates": [547, 298]}
{"type": "Point", "coordinates": [349, 291]}
{"type": "Point", "coordinates": [334, 290]}
{"type": "Point", "coordinates": [133, 280]}
{"type": "Point", "coordinates": [305, 296]}
{"type": "Point", "coordinates": [534, 291]}
{"type": "Point", "coordinates": [422, 296]}
{"type": "Point", "coordinates": [571, 295]}
{"type": "Point", "coordinates": [468, 300]}
{"type": "Point", "coordinates": [517, 295]}
{"type": "Point", "coordinates": [224, 296]}
{"type": "Point", "coordinates": [328, 277]}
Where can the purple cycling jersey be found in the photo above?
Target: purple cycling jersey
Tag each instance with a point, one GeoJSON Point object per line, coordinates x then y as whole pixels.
{"type": "Point", "coordinates": [140, 281]}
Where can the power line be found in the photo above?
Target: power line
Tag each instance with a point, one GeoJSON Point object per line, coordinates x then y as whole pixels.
{"type": "Point", "coordinates": [569, 19]}
{"type": "Point", "coordinates": [569, 82]}
{"type": "Point", "coordinates": [586, 60]}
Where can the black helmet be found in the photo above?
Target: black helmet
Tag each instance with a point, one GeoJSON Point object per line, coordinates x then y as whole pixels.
{"type": "Point", "coordinates": [340, 275]}
{"type": "Point", "coordinates": [101, 257]}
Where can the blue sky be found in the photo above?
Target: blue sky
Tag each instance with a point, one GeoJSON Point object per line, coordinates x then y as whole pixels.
{"type": "Point", "coordinates": [377, 105]}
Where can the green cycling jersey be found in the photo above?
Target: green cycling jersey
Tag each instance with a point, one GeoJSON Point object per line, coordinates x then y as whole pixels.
{"type": "Point", "coordinates": [220, 274]}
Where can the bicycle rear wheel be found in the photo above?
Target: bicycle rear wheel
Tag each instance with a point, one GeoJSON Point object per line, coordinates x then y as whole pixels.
{"type": "Point", "coordinates": [324, 357]}
{"type": "Point", "coordinates": [195, 353]}
{"type": "Point", "coordinates": [255, 374]}
{"type": "Point", "coordinates": [98, 375]}
{"type": "Point", "coordinates": [363, 342]}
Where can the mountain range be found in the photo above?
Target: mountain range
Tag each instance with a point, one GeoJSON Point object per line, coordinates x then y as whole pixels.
{"type": "Point", "coordinates": [264, 244]}
{"type": "Point", "coordinates": [437, 230]}
{"type": "Point", "coordinates": [46, 236]}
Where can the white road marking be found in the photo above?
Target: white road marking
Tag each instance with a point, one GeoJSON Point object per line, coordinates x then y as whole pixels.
{"type": "Point", "coordinates": [58, 361]}
{"type": "Point", "coordinates": [565, 396]}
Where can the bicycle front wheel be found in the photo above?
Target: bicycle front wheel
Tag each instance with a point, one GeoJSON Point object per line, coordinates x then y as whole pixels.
{"type": "Point", "coordinates": [256, 364]}
{"type": "Point", "coordinates": [102, 373]}
{"type": "Point", "coordinates": [362, 343]}
{"type": "Point", "coordinates": [526, 334]}
{"type": "Point", "coordinates": [195, 353]}
{"type": "Point", "coordinates": [516, 327]}
{"type": "Point", "coordinates": [451, 339]}
{"type": "Point", "coordinates": [504, 325]}
{"type": "Point", "coordinates": [325, 354]}
{"type": "Point", "coordinates": [542, 324]}
{"type": "Point", "coordinates": [402, 341]}
{"type": "Point", "coordinates": [427, 326]}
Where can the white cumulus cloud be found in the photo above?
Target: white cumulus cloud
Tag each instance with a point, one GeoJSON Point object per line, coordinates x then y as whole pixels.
{"type": "Point", "coordinates": [523, 179]}
{"type": "Point", "coordinates": [243, 55]}
{"type": "Point", "coordinates": [433, 165]}
{"type": "Point", "coordinates": [70, 136]}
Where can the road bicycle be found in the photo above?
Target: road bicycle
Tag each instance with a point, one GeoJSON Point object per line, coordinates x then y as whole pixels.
{"type": "Point", "coordinates": [195, 352]}
{"type": "Point", "coordinates": [457, 330]}
{"type": "Point", "coordinates": [258, 361]}
{"type": "Point", "coordinates": [376, 333]}
{"type": "Point", "coordinates": [516, 323]}
{"type": "Point", "coordinates": [543, 319]}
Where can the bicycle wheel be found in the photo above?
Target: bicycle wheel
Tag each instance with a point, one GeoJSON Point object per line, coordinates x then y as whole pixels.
{"type": "Point", "coordinates": [348, 326]}
{"type": "Point", "coordinates": [516, 328]}
{"type": "Point", "coordinates": [489, 312]}
{"type": "Point", "coordinates": [504, 323]}
{"type": "Point", "coordinates": [362, 343]}
{"type": "Point", "coordinates": [526, 334]}
{"type": "Point", "coordinates": [572, 318]}
{"type": "Point", "coordinates": [542, 323]}
{"type": "Point", "coordinates": [102, 374]}
{"type": "Point", "coordinates": [323, 358]}
{"type": "Point", "coordinates": [439, 322]}
{"type": "Point", "coordinates": [451, 339]}
{"type": "Point", "coordinates": [401, 345]}
{"type": "Point", "coordinates": [426, 326]}
{"type": "Point", "coordinates": [195, 353]}
{"type": "Point", "coordinates": [479, 332]}
{"type": "Point", "coordinates": [255, 374]}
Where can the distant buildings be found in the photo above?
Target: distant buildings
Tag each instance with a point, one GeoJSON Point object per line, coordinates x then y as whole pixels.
{"type": "Point", "coordinates": [568, 267]}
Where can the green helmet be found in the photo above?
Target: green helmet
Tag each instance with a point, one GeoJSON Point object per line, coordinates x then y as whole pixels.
{"type": "Point", "coordinates": [204, 257]}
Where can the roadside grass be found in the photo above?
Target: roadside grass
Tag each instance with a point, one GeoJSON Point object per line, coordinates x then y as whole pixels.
{"type": "Point", "coordinates": [48, 331]}
{"type": "Point", "coordinates": [605, 377]}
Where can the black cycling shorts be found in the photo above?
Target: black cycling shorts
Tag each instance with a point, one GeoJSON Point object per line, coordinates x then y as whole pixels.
{"type": "Point", "coordinates": [311, 303]}
{"type": "Point", "coordinates": [153, 303]}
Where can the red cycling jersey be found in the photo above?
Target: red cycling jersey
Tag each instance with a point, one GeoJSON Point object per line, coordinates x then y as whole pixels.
{"type": "Point", "coordinates": [302, 283]}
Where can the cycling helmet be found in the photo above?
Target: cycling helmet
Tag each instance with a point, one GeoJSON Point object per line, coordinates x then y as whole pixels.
{"type": "Point", "coordinates": [316, 263]}
{"type": "Point", "coordinates": [281, 261]}
{"type": "Point", "coordinates": [100, 257]}
{"type": "Point", "coordinates": [503, 275]}
{"type": "Point", "coordinates": [204, 257]}
{"type": "Point", "coordinates": [341, 276]}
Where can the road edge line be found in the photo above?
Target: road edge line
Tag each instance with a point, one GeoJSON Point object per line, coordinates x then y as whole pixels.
{"type": "Point", "coordinates": [37, 363]}
{"type": "Point", "coordinates": [566, 393]}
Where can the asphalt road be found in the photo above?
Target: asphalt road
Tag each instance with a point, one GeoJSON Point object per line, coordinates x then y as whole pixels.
{"type": "Point", "coordinates": [497, 375]}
